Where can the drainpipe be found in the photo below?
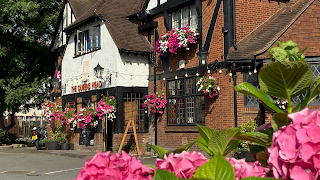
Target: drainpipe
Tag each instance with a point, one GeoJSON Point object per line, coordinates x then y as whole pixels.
{"type": "Point", "coordinates": [155, 86]}
{"type": "Point", "coordinates": [234, 40]}
{"type": "Point", "coordinates": [235, 96]}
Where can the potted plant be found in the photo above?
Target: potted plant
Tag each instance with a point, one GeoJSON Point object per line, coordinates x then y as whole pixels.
{"type": "Point", "coordinates": [64, 143]}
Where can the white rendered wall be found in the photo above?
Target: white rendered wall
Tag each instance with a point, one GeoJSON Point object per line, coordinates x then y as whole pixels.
{"type": "Point", "coordinates": [66, 21]}
{"type": "Point", "coordinates": [109, 58]}
{"type": "Point", "coordinates": [153, 3]}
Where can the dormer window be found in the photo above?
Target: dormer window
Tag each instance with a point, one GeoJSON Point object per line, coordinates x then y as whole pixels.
{"type": "Point", "coordinates": [87, 41]}
{"type": "Point", "coordinates": [184, 16]}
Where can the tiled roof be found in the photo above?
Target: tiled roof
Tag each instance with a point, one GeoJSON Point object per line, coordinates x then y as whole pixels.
{"type": "Point", "coordinates": [124, 32]}
{"type": "Point", "coordinates": [260, 40]}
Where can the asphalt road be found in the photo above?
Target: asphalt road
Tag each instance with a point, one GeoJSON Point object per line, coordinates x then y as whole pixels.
{"type": "Point", "coordinates": [22, 164]}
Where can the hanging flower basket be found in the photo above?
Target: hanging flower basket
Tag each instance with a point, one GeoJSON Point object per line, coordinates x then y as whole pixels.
{"type": "Point", "coordinates": [87, 116]}
{"type": "Point", "coordinates": [107, 105]}
{"type": "Point", "coordinates": [209, 86]}
{"type": "Point", "coordinates": [156, 102]}
{"type": "Point", "coordinates": [174, 40]}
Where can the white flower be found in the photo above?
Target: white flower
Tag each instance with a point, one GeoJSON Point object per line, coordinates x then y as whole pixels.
{"type": "Point", "coordinates": [218, 88]}
{"type": "Point", "coordinates": [187, 49]}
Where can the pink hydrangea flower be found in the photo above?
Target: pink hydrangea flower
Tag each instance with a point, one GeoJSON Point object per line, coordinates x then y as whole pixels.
{"type": "Point", "coordinates": [184, 165]}
{"type": "Point", "coordinates": [295, 148]}
{"type": "Point", "coordinates": [114, 167]}
{"type": "Point", "coordinates": [244, 169]}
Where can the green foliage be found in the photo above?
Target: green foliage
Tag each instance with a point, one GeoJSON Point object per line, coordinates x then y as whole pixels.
{"type": "Point", "coordinates": [221, 142]}
{"type": "Point", "coordinates": [1, 136]}
{"type": "Point", "coordinates": [216, 168]}
{"type": "Point", "coordinates": [26, 29]}
{"type": "Point", "coordinates": [250, 90]}
{"type": "Point", "coordinates": [257, 178]}
{"type": "Point", "coordinates": [161, 151]}
{"type": "Point", "coordinates": [278, 120]}
{"type": "Point", "coordinates": [164, 175]}
{"type": "Point", "coordinates": [285, 79]}
{"type": "Point", "coordinates": [287, 51]}
{"type": "Point", "coordinates": [203, 141]}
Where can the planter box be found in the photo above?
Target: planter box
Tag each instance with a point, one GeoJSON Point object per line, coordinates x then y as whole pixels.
{"type": "Point", "coordinates": [64, 146]}
{"type": "Point", "coordinates": [52, 145]}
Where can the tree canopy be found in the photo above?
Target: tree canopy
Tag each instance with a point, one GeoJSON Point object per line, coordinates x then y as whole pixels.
{"type": "Point", "coordinates": [26, 31]}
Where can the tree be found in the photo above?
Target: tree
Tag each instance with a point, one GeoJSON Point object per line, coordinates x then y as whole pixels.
{"type": "Point", "coordinates": [26, 31]}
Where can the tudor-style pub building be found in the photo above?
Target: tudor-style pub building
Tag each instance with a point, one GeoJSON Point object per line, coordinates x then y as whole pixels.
{"type": "Point", "coordinates": [120, 36]}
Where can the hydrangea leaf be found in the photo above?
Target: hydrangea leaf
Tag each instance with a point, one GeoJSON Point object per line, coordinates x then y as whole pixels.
{"type": "Point", "coordinates": [263, 157]}
{"type": "Point", "coordinates": [221, 141]}
{"type": "Point", "coordinates": [205, 132]}
{"type": "Point", "coordinates": [254, 149]}
{"type": "Point", "coordinates": [278, 120]}
{"type": "Point", "coordinates": [164, 175]}
{"type": "Point", "coordinates": [285, 79]}
{"type": "Point", "coordinates": [256, 137]}
{"type": "Point", "coordinates": [204, 145]}
{"type": "Point", "coordinates": [216, 168]}
{"type": "Point", "coordinates": [250, 90]}
{"type": "Point", "coordinates": [314, 89]}
{"type": "Point", "coordinates": [159, 150]}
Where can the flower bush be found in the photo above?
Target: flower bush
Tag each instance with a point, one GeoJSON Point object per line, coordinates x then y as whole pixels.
{"type": "Point", "coordinates": [156, 102]}
{"type": "Point", "coordinates": [57, 74]}
{"type": "Point", "coordinates": [209, 86]}
{"type": "Point", "coordinates": [244, 169]}
{"type": "Point", "coordinates": [87, 116]}
{"type": "Point", "coordinates": [51, 110]}
{"type": "Point", "coordinates": [115, 167]}
{"type": "Point", "coordinates": [69, 117]}
{"type": "Point", "coordinates": [184, 165]}
{"type": "Point", "coordinates": [295, 148]}
{"type": "Point", "coordinates": [107, 105]}
{"type": "Point", "coordinates": [174, 40]}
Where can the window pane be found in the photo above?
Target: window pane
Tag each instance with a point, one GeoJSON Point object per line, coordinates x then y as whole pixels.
{"type": "Point", "coordinates": [190, 109]}
{"type": "Point", "coordinates": [172, 105]}
{"type": "Point", "coordinates": [172, 88]}
{"type": "Point", "coordinates": [200, 107]}
{"type": "Point", "coordinates": [193, 17]}
{"type": "Point", "coordinates": [180, 87]}
{"type": "Point", "coordinates": [190, 87]}
{"type": "Point", "coordinates": [175, 20]}
{"type": "Point", "coordinates": [180, 108]}
{"type": "Point", "coordinates": [132, 108]}
{"type": "Point", "coordinates": [184, 16]}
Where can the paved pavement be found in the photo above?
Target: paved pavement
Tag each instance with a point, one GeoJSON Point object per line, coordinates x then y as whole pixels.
{"type": "Point", "coordinates": [82, 154]}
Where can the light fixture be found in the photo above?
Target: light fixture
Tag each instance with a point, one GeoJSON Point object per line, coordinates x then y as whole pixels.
{"type": "Point", "coordinates": [255, 70]}
{"type": "Point", "coordinates": [220, 71]}
{"type": "Point", "coordinates": [230, 74]}
{"type": "Point", "coordinates": [54, 82]}
{"type": "Point", "coordinates": [203, 56]}
{"type": "Point", "coordinates": [98, 71]}
{"type": "Point", "coordinates": [209, 71]}
{"type": "Point", "coordinates": [250, 73]}
{"type": "Point", "coordinates": [197, 74]}
{"type": "Point", "coordinates": [116, 76]}
{"type": "Point", "coordinates": [164, 78]}
{"type": "Point", "coordinates": [186, 75]}
{"type": "Point", "coordinates": [176, 77]}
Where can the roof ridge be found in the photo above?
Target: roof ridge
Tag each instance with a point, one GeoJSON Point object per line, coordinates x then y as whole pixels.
{"type": "Point", "coordinates": [250, 45]}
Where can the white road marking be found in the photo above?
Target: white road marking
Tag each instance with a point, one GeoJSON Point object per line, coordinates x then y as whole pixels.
{"type": "Point", "coordinates": [62, 171]}
{"type": "Point", "coordinates": [10, 153]}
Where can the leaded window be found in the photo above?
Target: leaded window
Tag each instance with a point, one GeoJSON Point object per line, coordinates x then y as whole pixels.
{"type": "Point", "coordinates": [252, 78]}
{"type": "Point", "coordinates": [184, 16]}
{"type": "Point", "coordinates": [133, 110]}
{"type": "Point", "coordinates": [185, 103]}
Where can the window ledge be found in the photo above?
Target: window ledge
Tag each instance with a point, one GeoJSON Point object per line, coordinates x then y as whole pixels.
{"type": "Point", "coordinates": [181, 129]}
{"type": "Point", "coordinates": [96, 49]}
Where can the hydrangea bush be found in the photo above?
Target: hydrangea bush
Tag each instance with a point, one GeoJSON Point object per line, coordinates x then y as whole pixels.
{"type": "Point", "coordinates": [209, 86]}
{"type": "Point", "coordinates": [156, 102]}
{"type": "Point", "coordinates": [174, 40]}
